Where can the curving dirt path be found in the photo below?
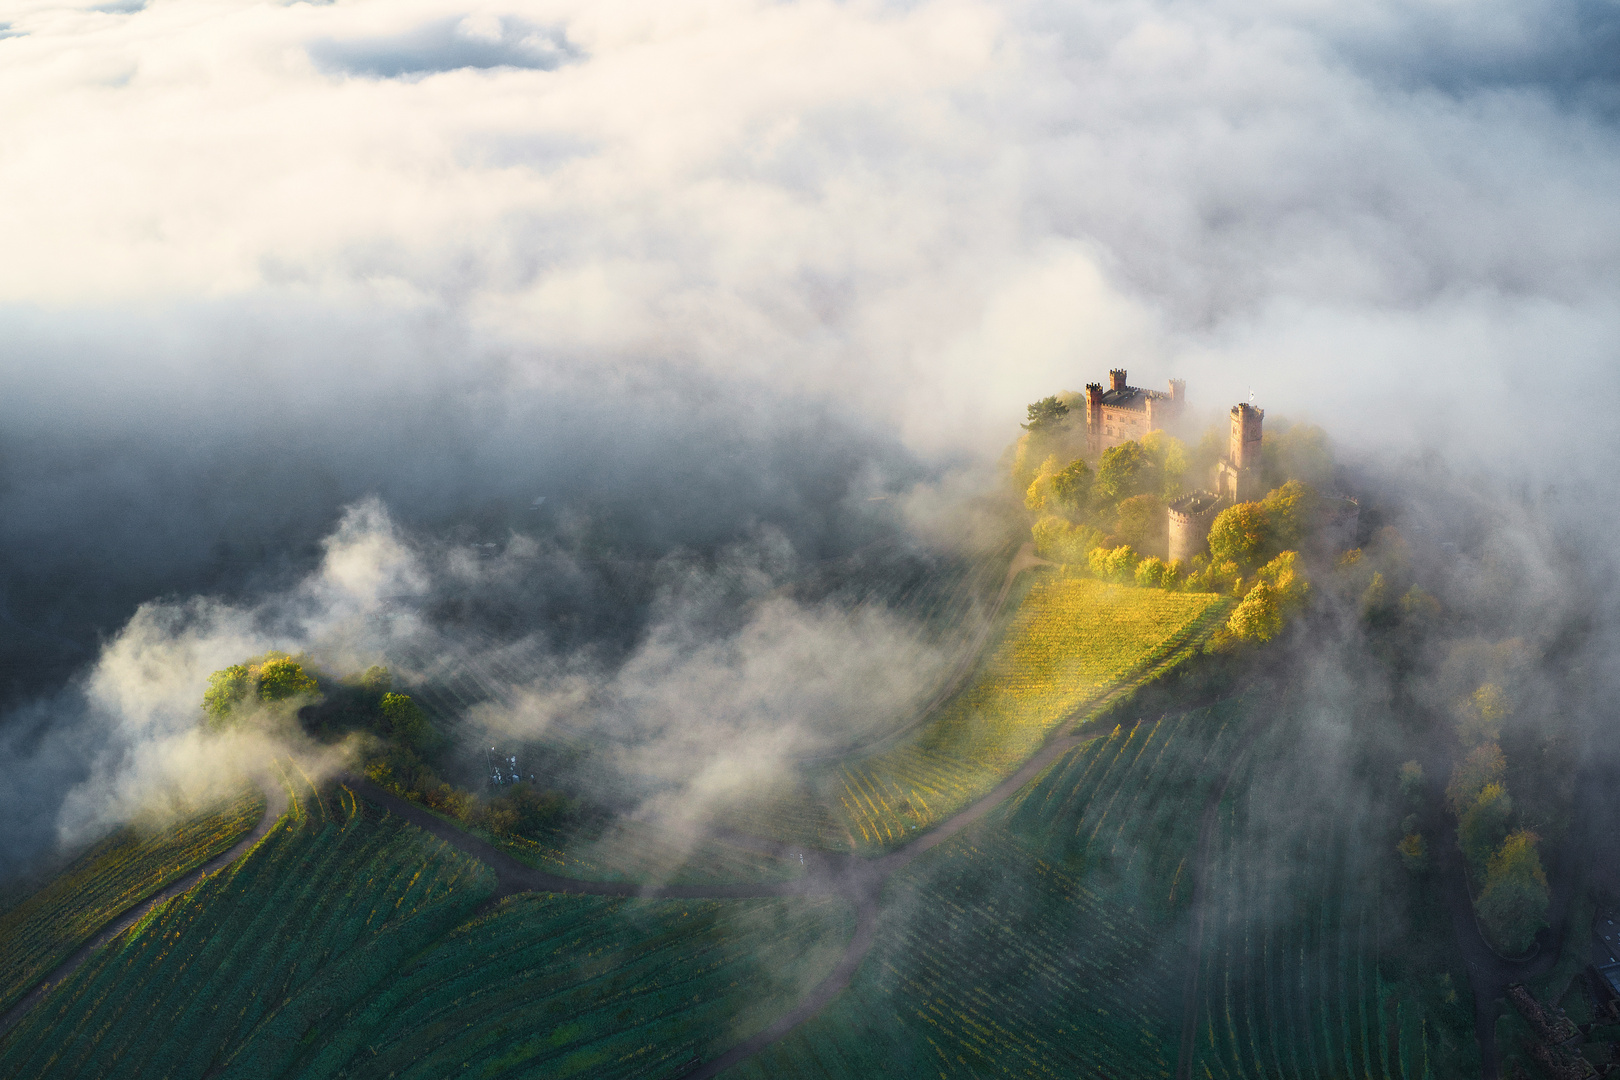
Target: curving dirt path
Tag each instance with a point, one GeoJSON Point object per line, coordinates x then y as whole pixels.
{"type": "Point", "coordinates": [275, 804]}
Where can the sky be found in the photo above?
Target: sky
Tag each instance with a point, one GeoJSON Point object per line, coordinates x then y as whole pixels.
{"type": "Point", "coordinates": [725, 274]}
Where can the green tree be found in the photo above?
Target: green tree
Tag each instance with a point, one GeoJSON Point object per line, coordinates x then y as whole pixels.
{"type": "Point", "coordinates": [376, 680]}
{"type": "Point", "coordinates": [282, 678]}
{"type": "Point", "coordinates": [1046, 415]}
{"type": "Point", "coordinates": [226, 689]}
{"type": "Point", "coordinates": [1071, 487]}
{"type": "Point", "coordinates": [1481, 714]}
{"type": "Point", "coordinates": [1169, 457]}
{"type": "Point", "coordinates": [1484, 765]}
{"type": "Point", "coordinates": [1240, 534]}
{"type": "Point", "coordinates": [1292, 510]}
{"type": "Point", "coordinates": [1125, 470]}
{"type": "Point", "coordinates": [1483, 824]}
{"type": "Point", "coordinates": [1513, 904]}
{"type": "Point", "coordinates": [1259, 616]}
{"type": "Point", "coordinates": [1414, 852]}
{"type": "Point", "coordinates": [408, 723]}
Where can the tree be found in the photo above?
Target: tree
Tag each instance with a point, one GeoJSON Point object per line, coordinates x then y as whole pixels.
{"type": "Point", "coordinates": [1483, 824]}
{"type": "Point", "coordinates": [1046, 415]}
{"type": "Point", "coordinates": [1513, 904]}
{"type": "Point", "coordinates": [1484, 765]}
{"type": "Point", "coordinates": [1125, 470]}
{"type": "Point", "coordinates": [1240, 534]}
{"type": "Point", "coordinates": [283, 678]}
{"type": "Point", "coordinates": [1286, 576]}
{"type": "Point", "coordinates": [376, 680]}
{"type": "Point", "coordinates": [407, 723]}
{"type": "Point", "coordinates": [1062, 542]}
{"type": "Point", "coordinates": [1292, 511]}
{"type": "Point", "coordinates": [1414, 852]}
{"type": "Point", "coordinates": [1141, 523]}
{"type": "Point", "coordinates": [1301, 452]}
{"type": "Point", "coordinates": [226, 689]}
{"type": "Point", "coordinates": [1169, 457]}
{"type": "Point", "coordinates": [1480, 715]}
{"type": "Point", "coordinates": [1259, 616]}
{"type": "Point", "coordinates": [1071, 487]}
{"type": "Point", "coordinates": [1153, 572]}
{"type": "Point", "coordinates": [1040, 488]}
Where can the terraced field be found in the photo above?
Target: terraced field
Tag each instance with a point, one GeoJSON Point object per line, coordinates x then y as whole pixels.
{"type": "Point", "coordinates": [1049, 940]}
{"type": "Point", "coordinates": [233, 973]}
{"type": "Point", "coordinates": [558, 986]}
{"type": "Point", "coordinates": [122, 870]}
{"type": "Point", "coordinates": [1292, 973]}
{"type": "Point", "coordinates": [628, 850]}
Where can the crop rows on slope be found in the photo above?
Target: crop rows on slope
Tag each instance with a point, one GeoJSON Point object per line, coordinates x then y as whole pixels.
{"type": "Point", "coordinates": [1073, 641]}
{"type": "Point", "coordinates": [1047, 941]}
{"type": "Point", "coordinates": [557, 986]}
{"type": "Point", "coordinates": [235, 972]}
{"type": "Point", "coordinates": [121, 870]}
{"type": "Point", "coordinates": [628, 850]}
{"type": "Point", "coordinates": [1289, 983]}
{"type": "Point", "coordinates": [994, 961]}
{"type": "Point", "coordinates": [1127, 806]}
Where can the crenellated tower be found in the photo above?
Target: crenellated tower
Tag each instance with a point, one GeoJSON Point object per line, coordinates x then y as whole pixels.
{"type": "Point", "coordinates": [1237, 478]}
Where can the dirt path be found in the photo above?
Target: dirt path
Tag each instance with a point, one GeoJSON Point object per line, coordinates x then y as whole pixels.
{"type": "Point", "coordinates": [275, 804]}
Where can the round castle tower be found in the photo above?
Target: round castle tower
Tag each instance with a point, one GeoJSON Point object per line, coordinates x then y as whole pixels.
{"type": "Point", "coordinates": [1190, 519]}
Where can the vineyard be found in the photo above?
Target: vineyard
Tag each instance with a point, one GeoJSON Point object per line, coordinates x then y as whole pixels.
{"type": "Point", "coordinates": [1049, 940]}
{"type": "Point", "coordinates": [1292, 979]}
{"type": "Point", "coordinates": [629, 850]}
{"type": "Point", "coordinates": [235, 971]}
{"type": "Point", "coordinates": [120, 871]}
{"type": "Point", "coordinates": [1074, 645]}
{"type": "Point", "coordinates": [558, 986]}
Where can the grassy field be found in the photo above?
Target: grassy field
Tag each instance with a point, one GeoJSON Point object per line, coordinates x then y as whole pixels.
{"type": "Point", "coordinates": [1074, 645]}
{"type": "Point", "coordinates": [1049, 940]}
{"type": "Point", "coordinates": [121, 870]}
{"type": "Point", "coordinates": [234, 972]}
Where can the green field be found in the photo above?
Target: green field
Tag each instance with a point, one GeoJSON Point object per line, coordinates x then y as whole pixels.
{"type": "Point", "coordinates": [236, 970]}
{"type": "Point", "coordinates": [559, 986]}
{"type": "Point", "coordinates": [628, 850]}
{"type": "Point", "coordinates": [1072, 648]}
{"type": "Point", "coordinates": [1302, 970]}
{"type": "Point", "coordinates": [116, 873]}
{"type": "Point", "coordinates": [1049, 940]}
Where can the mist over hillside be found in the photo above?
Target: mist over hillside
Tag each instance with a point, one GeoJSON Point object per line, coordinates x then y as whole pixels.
{"type": "Point", "coordinates": [735, 290]}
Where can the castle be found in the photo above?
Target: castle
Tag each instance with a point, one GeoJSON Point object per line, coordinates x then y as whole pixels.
{"type": "Point", "coordinates": [1124, 413]}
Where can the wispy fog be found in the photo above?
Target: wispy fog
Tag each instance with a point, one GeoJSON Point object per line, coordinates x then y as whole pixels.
{"type": "Point", "coordinates": [636, 282]}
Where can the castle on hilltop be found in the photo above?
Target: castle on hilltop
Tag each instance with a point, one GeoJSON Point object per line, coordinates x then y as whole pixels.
{"type": "Point", "coordinates": [1123, 414]}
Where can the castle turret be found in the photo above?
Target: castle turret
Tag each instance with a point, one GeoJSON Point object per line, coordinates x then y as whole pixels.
{"type": "Point", "coordinates": [1190, 519]}
{"type": "Point", "coordinates": [1237, 478]}
{"type": "Point", "coordinates": [1094, 395]}
{"type": "Point", "coordinates": [1178, 391]}
{"type": "Point", "coordinates": [1116, 378]}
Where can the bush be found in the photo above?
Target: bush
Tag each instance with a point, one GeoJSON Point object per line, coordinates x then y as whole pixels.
{"type": "Point", "coordinates": [1153, 572]}
{"type": "Point", "coordinates": [1113, 564]}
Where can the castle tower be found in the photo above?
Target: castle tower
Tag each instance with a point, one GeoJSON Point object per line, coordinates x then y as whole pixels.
{"type": "Point", "coordinates": [1116, 378]}
{"type": "Point", "coordinates": [1190, 519]}
{"type": "Point", "coordinates": [1237, 478]}
{"type": "Point", "coordinates": [1094, 414]}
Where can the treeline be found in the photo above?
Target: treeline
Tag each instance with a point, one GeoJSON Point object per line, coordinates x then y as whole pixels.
{"type": "Point", "coordinates": [398, 744]}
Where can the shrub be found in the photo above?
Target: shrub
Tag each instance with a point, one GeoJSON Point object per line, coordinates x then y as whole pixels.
{"type": "Point", "coordinates": [1113, 564]}
{"type": "Point", "coordinates": [1153, 572]}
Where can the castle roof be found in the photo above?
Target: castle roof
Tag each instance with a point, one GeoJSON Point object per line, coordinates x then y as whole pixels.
{"type": "Point", "coordinates": [1132, 397]}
